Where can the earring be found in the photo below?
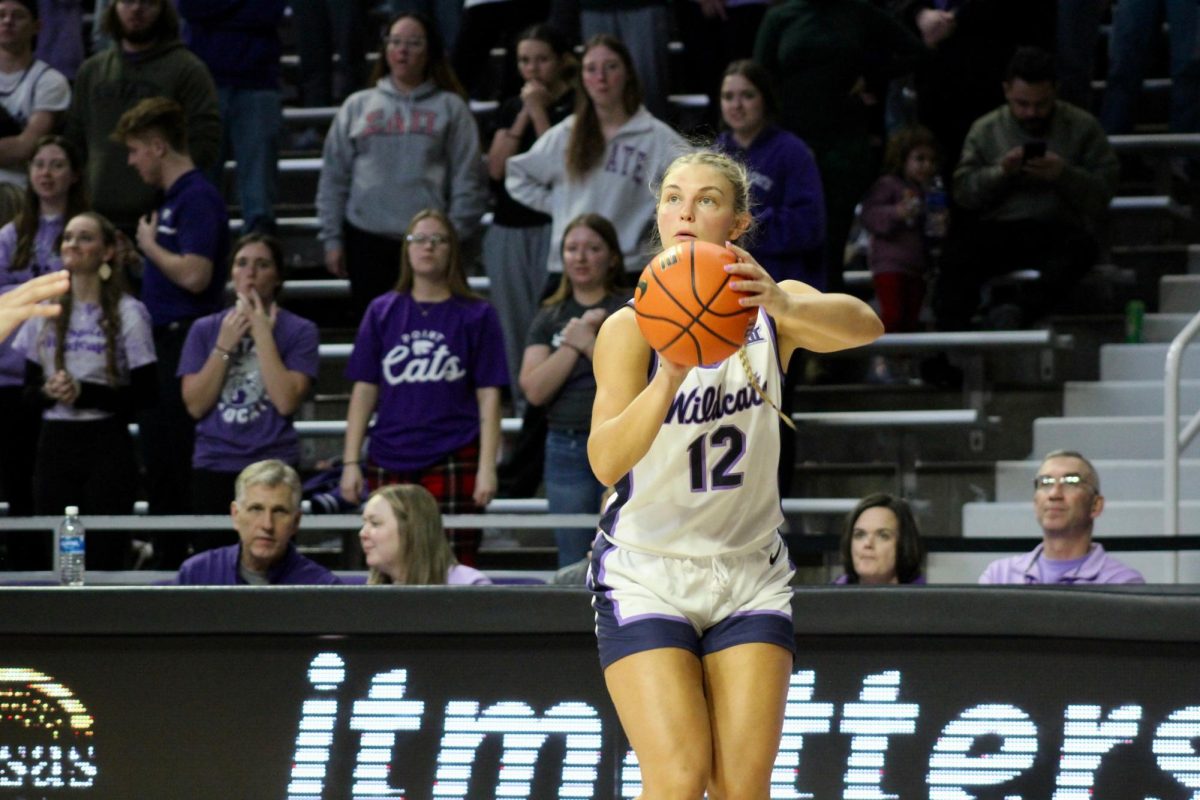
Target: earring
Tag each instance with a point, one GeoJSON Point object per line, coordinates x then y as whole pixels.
{"type": "Point", "coordinates": [105, 271]}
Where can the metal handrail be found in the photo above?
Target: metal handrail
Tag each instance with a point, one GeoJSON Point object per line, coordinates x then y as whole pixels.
{"type": "Point", "coordinates": [1173, 440]}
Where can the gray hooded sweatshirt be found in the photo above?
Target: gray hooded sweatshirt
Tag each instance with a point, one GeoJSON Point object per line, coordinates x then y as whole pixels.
{"type": "Point", "coordinates": [389, 154]}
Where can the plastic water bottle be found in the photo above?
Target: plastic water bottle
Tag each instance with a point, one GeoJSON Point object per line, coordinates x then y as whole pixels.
{"type": "Point", "coordinates": [71, 548]}
{"type": "Point", "coordinates": [937, 209]}
{"type": "Point", "coordinates": [1135, 316]}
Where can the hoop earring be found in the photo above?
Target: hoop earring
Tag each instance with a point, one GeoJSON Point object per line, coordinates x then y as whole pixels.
{"type": "Point", "coordinates": [105, 271]}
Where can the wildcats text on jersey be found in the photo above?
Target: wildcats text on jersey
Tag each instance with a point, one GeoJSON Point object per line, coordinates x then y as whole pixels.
{"type": "Point", "coordinates": [697, 407]}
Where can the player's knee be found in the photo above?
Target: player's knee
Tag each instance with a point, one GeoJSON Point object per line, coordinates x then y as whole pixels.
{"type": "Point", "coordinates": [738, 788]}
{"type": "Point", "coordinates": [680, 780]}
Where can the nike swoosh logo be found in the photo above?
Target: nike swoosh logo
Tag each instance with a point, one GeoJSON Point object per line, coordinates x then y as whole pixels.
{"type": "Point", "coordinates": [775, 557]}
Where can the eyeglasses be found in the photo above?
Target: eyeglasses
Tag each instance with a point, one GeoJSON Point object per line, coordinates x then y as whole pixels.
{"type": "Point", "coordinates": [1048, 482]}
{"type": "Point", "coordinates": [435, 239]}
{"type": "Point", "coordinates": [398, 42]}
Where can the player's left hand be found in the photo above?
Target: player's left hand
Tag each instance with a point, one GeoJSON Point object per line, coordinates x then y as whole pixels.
{"type": "Point", "coordinates": [759, 288]}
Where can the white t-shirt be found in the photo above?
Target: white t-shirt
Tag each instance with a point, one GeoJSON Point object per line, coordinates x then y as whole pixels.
{"type": "Point", "coordinates": [39, 87]}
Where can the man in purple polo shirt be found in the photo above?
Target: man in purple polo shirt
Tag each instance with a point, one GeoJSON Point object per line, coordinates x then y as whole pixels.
{"type": "Point", "coordinates": [185, 244]}
{"type": "Point", "coordinates": [1066, 500]}
{"type": "Point", "coordinates": [266, 515]}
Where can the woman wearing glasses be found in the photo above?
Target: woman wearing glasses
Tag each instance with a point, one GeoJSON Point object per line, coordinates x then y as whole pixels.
{"type": "Point", "coordinates": [428, 361]}
{"type": "Point", "coordinates": [407, 143]}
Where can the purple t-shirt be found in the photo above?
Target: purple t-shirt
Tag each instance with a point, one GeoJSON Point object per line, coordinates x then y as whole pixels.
{"type": "Point", "coordinates": [84, 355]}
{"type": "Point", "coordinates": [244, 426]}
{"type": "Point", "coordinates": [462, 575]}
{"type": "Point", "coordinates": [1096, 567]}
{"type": "Point", "coordinates": [427, 360]}
{"type": "Point", "coordinates": [192, 220]}
{"type": "Point", "coordinates": [43, 259]}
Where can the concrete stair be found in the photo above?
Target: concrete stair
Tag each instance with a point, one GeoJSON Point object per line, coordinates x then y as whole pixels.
{"type": "Point", "coordinates": [1125, 398]}
{"type": "Point", "coordinates": [1120, 479]}
{"type": "Point", "coordinates": [1144, 362]}
{"type": "Point", "coordinates": [1104, 437]}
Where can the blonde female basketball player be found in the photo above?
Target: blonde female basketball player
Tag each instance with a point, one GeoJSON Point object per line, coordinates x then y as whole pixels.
{"type": "Point", "coordinates": [690, 577]}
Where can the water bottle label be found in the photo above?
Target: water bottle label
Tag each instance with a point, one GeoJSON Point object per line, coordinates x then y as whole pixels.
{"type": "Point", "coordinates": [70, 544]}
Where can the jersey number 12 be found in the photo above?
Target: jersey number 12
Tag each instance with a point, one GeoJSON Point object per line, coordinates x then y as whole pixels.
{"type": "Point", "coordinates": [727, 438]}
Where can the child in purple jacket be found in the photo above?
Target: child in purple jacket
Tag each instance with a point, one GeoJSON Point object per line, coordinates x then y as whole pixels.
{"type": "Point", "coordinates": [894, 213]}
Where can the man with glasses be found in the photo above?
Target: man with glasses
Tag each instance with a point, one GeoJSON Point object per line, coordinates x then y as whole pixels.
{"type": "Point", "coordinates": [266, 516]}
{"type": "Point", "coordinates": [147, 59]}
{"type": "Point", "coordinates": [1066, 501]}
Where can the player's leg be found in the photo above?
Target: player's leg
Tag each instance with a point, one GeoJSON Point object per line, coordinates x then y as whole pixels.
{"type": "Point", "coordinates": [746, 687]}
{"type": "Point", "coordinates": [659, 696]}
{"type": "Point", "coordinates": [650, 652]}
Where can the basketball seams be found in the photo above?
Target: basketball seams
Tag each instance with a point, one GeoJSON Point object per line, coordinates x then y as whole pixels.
{"type": "Point", "coordinates": [699, 331]}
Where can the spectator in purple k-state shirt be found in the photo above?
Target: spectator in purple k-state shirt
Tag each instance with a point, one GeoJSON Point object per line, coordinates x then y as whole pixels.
{"type": "Point", "coordinates": [245, 371]}
{"type": "Point", "coordinates": [429, 362]}
{"type": "Point", "coordinates": [89, 370]}
{"type": "Point", "coordinates": [28, 248]}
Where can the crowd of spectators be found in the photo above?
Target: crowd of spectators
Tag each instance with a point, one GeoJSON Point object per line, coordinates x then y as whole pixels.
{"type": "Point", "coordinates": [804, 91]}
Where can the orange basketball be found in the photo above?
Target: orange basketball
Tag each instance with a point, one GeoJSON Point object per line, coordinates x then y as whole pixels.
{"type": "Point", "coordinates": [685, 308]}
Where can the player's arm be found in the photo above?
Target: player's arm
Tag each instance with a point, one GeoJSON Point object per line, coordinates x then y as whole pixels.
{"type": "Point", "coordinates": [804, 316]}
{"type": "Point", "coordinates": [628, 412]}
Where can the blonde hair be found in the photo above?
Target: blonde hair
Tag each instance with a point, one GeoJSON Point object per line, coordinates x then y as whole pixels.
{"type": "Point", "coordinates": [738, 176]}
{"type": "Point", "coordinates": [424, 556]}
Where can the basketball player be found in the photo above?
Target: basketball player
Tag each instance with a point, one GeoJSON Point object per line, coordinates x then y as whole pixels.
{"type": "Point", "coordinates": [690, 577]}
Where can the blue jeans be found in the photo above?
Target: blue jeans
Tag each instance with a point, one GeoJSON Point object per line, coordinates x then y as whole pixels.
{"type": "Point", "coordinates": [252, 119]}
{"type": "Point", "coordinates": [325, 27]}
{"type": "Point", "coordinates": [1135, 29]}
{"type": "Point", "coordinates": [571, 488]}
{"type": "Point", "coordinates": [1078, 29]}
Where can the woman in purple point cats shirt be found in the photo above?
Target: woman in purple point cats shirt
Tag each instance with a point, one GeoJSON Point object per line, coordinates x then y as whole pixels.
{"type": "Point", "coordinates": [429, 362]}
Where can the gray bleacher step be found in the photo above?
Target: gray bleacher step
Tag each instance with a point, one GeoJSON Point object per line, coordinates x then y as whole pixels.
{"type": "Point", "coordinates": [1124, 398]}
{"type": "Point", "coordinates": [1163, 327]}
{"type": "Point", "coordinates": [1171, 143]}
{"type": "Point", "coordinates": [1120, 518]}
{"type": "Point", "coordinates": [1136, 362]}
{"type": "Point", "coordinates": [1179, 294]}
{"type": "Point", "coordinates": [1120, 479]}
{"type": "Point", "coordinates": [1104, 437]}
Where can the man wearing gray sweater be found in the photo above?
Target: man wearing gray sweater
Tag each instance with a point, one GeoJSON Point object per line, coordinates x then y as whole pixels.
{"type": "Point", "coordinates": [1033, 184]}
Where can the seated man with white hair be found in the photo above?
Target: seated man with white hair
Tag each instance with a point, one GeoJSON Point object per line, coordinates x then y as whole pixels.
{"type": "Point", "coordinates": [266, 515]}
{"type": "Point", "coordinates": [1066, 501]}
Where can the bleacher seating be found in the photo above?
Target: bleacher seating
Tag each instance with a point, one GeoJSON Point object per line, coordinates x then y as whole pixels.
{"type": "Point", "coordinates": [1007, 372]}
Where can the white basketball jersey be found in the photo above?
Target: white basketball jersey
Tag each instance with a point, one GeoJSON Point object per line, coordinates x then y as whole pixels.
{"type": "Point", "coordinates": [708, 484]}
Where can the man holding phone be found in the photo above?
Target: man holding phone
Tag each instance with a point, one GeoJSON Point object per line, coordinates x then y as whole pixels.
{"type": "Point", "coordinates": [1034, 181]}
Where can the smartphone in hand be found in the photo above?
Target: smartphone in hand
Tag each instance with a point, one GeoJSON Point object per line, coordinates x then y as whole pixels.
{"type": "Point", "coordinates": [1033, 150]}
